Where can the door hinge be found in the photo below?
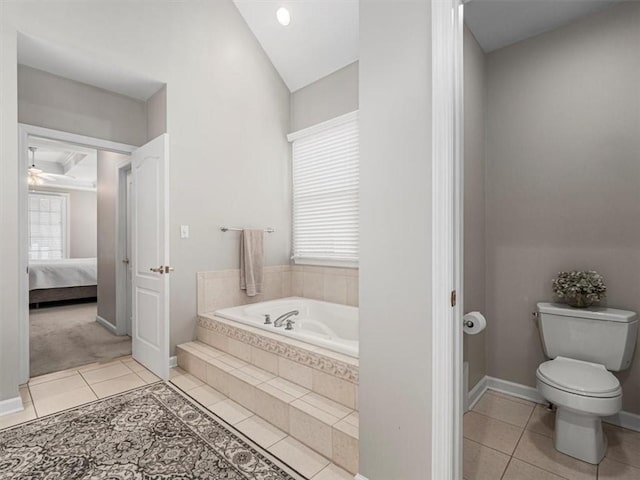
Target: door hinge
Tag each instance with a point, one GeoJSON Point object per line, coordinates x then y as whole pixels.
{"type": "Point", "coordinates": [453, 298]}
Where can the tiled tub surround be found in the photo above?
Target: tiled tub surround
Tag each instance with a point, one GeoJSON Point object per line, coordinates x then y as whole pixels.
{"type": "Point", "coordinates": [304, 390]}
{"type": "Point", "coordinates": [326, 426]}
{"type": "Point", "coordinates": [323, 371]}
{"type": "Point", "coordinates": [323, 324]}
{"type": "Point", "coordinates": [221, 288]}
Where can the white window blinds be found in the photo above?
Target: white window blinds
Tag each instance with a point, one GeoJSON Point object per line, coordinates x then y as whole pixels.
{"type": "Point", "coordinates": [47, 226]}
{"type": "Point", "coordinates": [325, 192]}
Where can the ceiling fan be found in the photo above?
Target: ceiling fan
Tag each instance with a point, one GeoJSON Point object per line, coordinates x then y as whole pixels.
{"type": "Point", "coordinates": [37, 176]}
{"type": "Point", "coordinates": [34, 174]}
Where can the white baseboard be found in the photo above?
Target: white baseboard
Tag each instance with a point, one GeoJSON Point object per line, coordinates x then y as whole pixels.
{"type": "Point", "coordinates": [11, 405]}
{"type": "Point", "coordinates": [106, 324]}
{"type": "Point", "coordinates": [360, 477]}
{"type": "Point", "coordinates": [173, 361]}
{"type": "Point", "coordinates": [623, 419]}
{"type": "Point", "coordinates": [514, 389]}
{"type": "Point", "coordinates": [465, 380]}
{"type": "Point", "coordinates": [476, 392]}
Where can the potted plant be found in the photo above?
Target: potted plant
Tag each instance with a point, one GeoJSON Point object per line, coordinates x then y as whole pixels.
{"type": "Point", "coordinates": [580, 289]}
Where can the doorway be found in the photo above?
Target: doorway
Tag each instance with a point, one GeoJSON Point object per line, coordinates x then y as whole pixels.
{"type": "Point", "coordinates": [71, 325]}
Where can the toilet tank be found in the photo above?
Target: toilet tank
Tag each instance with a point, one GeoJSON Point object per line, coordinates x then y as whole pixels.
{"type": "Point", "coordinates": [597, 334]}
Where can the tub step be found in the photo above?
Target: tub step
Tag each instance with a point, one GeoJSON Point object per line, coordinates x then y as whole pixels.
{"type": "Point", "coordinates": [326, 426]}
{"type": "Point", "coordinates": [327, 373]}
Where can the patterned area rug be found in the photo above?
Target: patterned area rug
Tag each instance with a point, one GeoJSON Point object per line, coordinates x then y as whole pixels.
{"type": "Point", "coordinates": [150, 433]}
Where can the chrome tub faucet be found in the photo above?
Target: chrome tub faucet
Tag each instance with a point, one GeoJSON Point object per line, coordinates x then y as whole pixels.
{"type": "Point", "coordinates": [285, 318]}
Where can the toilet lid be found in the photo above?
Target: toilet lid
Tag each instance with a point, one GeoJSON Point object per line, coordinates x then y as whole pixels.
{"type": "Point", "coordinates": [578, 376]}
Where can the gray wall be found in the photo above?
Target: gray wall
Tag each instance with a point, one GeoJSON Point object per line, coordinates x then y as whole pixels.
{"type": "Point", "coordinates": [563, 179]}
{"type": "Point", "coordinates": [50, 101]}
{"type": "Point", "coordinates": [395, 206]}
{"type": "Point", "coordinates": [82, 222]}
{"type": "Point", "coordinates": [324, 99]}
{"type": "Point", "coordinates": [227, 117]}
{"type": "Point", "coordinates": [474, 202]}
{"type": "Point", "coordinates": [107, 247]}
{"type": "Point", "coordinates": [157, 114]}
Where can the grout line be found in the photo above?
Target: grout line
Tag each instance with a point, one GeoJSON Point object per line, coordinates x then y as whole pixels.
{"type": "Point", "coordinates": [486, 446]}
{"type": "Point", "coordinates": [504, 472]}
{"type": "Point", "coordinates": [518, 443]}
{"type": "Point", "coordinates": [543, 469]}
{"type": "Point", "coordinates": [512, 456]}
{"type": "Point", "coordinates": [88, 384]}
{"type": "Point", "coordinates": [498, 420]}
{"type": "Point", "coordinates": [522, 434]}
{"type": "Point", "coordinates": [33, 403]}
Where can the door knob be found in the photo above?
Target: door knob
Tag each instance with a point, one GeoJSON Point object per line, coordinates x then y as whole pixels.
{"type": "Point", "coordinates": [168, 269]}
{"type": "Point", "coordinates": [158, 270]}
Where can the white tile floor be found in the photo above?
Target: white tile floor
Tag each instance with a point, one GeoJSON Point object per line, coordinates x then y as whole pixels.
{"type": "Point", "coordinates": [288, 449]}
{"type": "Point", "coordinates": [60, 391]}
{"type": "Point", "coordinates": [507, 438]}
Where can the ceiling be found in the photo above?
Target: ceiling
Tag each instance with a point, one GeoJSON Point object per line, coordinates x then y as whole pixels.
{"type": "Point", "coordinates": [498, 23]}
{"type": "Point", "coordinates": [83, 67]}
{"type": "Point", "coordinates": [321, 38]}
{"type": "Point", "coordinates": [65, 165]}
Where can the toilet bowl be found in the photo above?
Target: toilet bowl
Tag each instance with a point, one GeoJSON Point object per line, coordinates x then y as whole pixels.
{"type": "Point", "coordinates": [583, 393]}
{"type": "Point", "coordinates": [586, 345]}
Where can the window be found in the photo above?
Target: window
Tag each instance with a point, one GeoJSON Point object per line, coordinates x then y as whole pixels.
{"type": "Point", "coordinates": [47, 226]}
{"type": "Point", "coordinates": [325, 192]}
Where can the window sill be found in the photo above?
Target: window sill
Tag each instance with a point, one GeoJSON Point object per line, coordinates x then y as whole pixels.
{"type": "Point", "coordinates": [325, 262]}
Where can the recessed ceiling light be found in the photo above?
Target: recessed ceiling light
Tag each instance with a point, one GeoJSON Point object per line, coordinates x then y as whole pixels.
{"type": "Point", "coordinates": [283, 16]}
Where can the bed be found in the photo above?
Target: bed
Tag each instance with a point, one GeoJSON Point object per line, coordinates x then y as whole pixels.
{"type": "Point", "coordinates": [66, 279]}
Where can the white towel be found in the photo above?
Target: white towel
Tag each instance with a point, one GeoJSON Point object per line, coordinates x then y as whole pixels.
{"type": "Point", "coordinates": [251, 261]}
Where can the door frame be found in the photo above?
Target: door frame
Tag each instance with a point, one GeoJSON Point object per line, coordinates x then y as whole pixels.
{"type": "Point", "coordinates": [448, 238]}
{"type": "Point", "coordinates": [122, 205]}
{"type": "Point", "coordinates": [24, 132]}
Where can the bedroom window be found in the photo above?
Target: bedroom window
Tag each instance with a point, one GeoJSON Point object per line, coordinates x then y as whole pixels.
{"type": "Point", "coordinates": [326, 192]}
{"type": "Point", "coordinates": [48, 226]}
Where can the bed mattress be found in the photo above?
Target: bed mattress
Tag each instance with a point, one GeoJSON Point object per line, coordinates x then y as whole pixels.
{"type": "Point", "coordinates": [68, 272]}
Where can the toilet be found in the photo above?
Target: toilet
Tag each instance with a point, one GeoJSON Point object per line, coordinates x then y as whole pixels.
{"type": "Point", "coordinates": [585, 345]}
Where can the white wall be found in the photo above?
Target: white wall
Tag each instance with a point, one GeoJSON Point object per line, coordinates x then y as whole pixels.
{"type": "Point", "coordinates": [227, 117]}
{"type": "Point", "coordinates": [327, 98]}
{"type": "Point", "coordinates": [395, 240]}
{"type": "Point", "coordinates": [563, 179]}
{"type": "Point", "coordinates": [51, 101]}
{"type": "Point", "coordinates": [474, 202]}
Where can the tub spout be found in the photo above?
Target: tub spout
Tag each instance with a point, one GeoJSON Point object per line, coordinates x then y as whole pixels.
{"type": "Point", "coordinates": [283, 318]}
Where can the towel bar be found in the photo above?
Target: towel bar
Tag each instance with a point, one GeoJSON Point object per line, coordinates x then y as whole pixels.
{"type": "Point", "coordinates": [237, 229]}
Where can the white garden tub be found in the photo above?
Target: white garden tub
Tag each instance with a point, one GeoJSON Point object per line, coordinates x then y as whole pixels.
{"type": "Point", "coordinates": [327, 325]}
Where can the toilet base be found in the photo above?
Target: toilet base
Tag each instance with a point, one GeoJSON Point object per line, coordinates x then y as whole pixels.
{"type": "Point", "coordinates": [579, 435]}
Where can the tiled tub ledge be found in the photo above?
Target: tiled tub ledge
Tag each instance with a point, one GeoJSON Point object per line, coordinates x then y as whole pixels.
{"type": "Point", "coordinates": [326, 372]}
{"type": "Point", "coordinates": [326, 426]}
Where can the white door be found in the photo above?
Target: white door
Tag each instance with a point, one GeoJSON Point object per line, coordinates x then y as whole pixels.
{"type": "Point", "coordinates": [150, 255]}
{"type": "Point", "coordinates": [128, 255]}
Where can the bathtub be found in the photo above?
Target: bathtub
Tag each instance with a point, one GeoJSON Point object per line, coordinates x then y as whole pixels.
{"type": "Point", "coordinates": [323, 324]}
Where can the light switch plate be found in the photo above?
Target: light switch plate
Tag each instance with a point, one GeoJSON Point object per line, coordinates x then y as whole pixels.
{"type": "Point", "coordinates": [184, 231]}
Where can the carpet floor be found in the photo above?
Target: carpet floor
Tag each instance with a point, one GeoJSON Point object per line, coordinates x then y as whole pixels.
{"type": "Point", "coordinates": [154, 432]}
{"type": "Point", "coordinates": [68, 336]}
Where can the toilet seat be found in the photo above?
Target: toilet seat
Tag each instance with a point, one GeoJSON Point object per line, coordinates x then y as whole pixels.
{"type": "Point", "coordinates": [579, 378]}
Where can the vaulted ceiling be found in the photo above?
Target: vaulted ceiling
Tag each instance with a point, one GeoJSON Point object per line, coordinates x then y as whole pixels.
{"type": "Point", "coordinates": [321, 38]}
